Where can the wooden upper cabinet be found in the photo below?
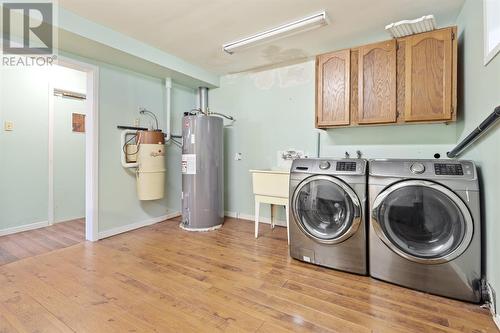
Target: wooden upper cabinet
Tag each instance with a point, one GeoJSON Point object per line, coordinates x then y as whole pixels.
{"type": "Point", "coordinates": [429, 76]}
{"type": "Point", "coordinates": [405, 80]}
{"type": "Point", "coordinates": [377, 83]}
{"type": "Point", "coordinates": [332, 89]}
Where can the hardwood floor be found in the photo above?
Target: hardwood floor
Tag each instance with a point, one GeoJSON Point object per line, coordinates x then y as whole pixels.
{"type": "Point", "coordinates": [163, 279]}
{"type": "Point", "coordinates": [35, 242]}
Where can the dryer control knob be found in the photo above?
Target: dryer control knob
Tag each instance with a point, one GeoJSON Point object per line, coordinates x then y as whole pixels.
{"type": "Point", "coordinates": [324, 165]}
{"type": "Point", "coordinates": [417, 168]}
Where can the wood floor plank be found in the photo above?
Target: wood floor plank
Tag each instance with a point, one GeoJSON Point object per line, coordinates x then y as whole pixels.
{"type": "Point", "coordinates": [318, 272]}
{"type": "Point", "coordinates": [10, 322]}
{"type": "Point", "coordinates": [5, 325]}
{"type": "Point", "coordinates": [59, 239]}
{"type": "Point", "coordinates": [39, 241]}
{"type": "Point", "coordinates": [173, 295]}
{"type": "Point", "coordinates": [268, 327]}
{"type": "Point", "coordinates": [428, 316]}
{"type": "Point", "coordinates": [70, 230]}
{"type": "Point", "coordinates": [26, 313]}
{"type": "Point", "coordinates": [161, 278]}
{"type": "Point", "coordinates": [5, 255]}
{"type": "Point", "coordinates": [440, 321]}
{"type": "Point", "coordinates": [70, 309]}
{"type": "Point", "coordinates": [17, 251]}
{"type": "Point", "coordinates": [232, 274]}
{"type": "Point", "coordinates": [159, 281]}
{"type": "Point", "coordinates": [228, 299]}
{"type": "Point", "coordinates": [216, 314]}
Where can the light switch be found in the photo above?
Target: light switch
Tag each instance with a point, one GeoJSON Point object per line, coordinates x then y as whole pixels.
{"type": "Point", "coordinates": [9, 126]}
{"type": "Point", "coordinates": [137, 122]}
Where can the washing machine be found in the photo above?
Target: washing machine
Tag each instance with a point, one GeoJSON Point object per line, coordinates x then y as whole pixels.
{"type": "Point", "coordinates": [425, 226]}
{"type": "Point", "coordinates": [327, 213]}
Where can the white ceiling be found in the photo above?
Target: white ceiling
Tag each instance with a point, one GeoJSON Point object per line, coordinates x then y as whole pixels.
{"type": "Point", "coordinates": [194, 30]}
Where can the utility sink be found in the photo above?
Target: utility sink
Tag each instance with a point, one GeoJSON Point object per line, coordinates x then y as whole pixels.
{"type": "Point", "coordinates": [270, 182]}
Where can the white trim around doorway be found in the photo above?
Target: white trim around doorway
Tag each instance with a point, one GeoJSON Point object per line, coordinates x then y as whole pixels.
{"type": "Point", "coordinates": [91, 147]}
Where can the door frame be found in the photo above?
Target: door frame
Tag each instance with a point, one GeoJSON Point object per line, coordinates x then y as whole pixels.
{"type": "Point", "coordinates": [91, 146]}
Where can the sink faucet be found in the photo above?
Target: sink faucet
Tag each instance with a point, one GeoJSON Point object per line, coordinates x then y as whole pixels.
{"type": "Point", "coordinates": [290, 155]}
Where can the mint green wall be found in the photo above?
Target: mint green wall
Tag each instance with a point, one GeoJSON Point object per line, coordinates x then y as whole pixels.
{"type": "Point", "coordinates": [480, 92]}
{"type": "Point", "coordinates": [24, 170]}
{"type": "Point", "coordinates": [274, 110]}
{"type": "Point", "coordinates": [69, 161]}
{"type": "Point", "coordinates": [121, 95]}
{"type": "Point", "coordinates": [24, 151]}
{"type": "Point", "coordinates": [183, 100]}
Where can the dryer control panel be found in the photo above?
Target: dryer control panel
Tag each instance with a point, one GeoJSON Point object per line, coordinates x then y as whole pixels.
{"type": "Point", "coordinates": [448, 169]}
{"type": "Point", "coordinates": [425, 169]}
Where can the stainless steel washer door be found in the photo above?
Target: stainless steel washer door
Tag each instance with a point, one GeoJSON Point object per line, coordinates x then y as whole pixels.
{"type": "Point", "coordinates": [422, 221]}
{"type": "Point", "coordinates": [326, 209]}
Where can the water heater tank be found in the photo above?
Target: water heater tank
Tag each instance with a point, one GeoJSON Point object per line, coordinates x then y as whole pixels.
{"type": "Point", "coordinates": [202, 173]}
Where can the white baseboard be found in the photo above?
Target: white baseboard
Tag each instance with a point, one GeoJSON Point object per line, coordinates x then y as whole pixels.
{"type": "Point", "coordinates": [26, 227]}
{"type": "Point", "coordinates": [136, 225]}
{"type": "Point", "coordinates": [267, 220]}
{"type": "Point", "coordinates": [70, 220]}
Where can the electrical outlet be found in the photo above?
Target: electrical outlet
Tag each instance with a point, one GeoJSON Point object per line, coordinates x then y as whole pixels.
{"type": "Point", "coordinates": [237, 157]}
{"type": "Point", "coordinates": [9, 126]}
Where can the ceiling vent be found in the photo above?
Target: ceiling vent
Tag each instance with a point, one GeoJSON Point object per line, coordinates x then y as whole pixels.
{"type": "Point", "coordinates": [411, 27]}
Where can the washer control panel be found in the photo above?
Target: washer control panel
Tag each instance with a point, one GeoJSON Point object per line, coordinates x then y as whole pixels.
{"type": "Point", "coordinates": [346, 166]}
{"type": "Point", "coordinates": [354, 167]}
{"type": "Point", "coordinates": [448, 169]}
{"type": "Point", "coordinates": [417, 168]}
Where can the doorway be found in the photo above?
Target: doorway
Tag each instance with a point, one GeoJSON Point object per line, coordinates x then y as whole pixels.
{"type": "Point", "coordinates": [66, 151]}
{"type": "Point", "coordinates": [48, 144]}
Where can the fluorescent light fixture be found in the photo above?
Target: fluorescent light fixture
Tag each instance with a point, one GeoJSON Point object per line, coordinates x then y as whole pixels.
{"type": "Point", "coordinates": [285, 30]}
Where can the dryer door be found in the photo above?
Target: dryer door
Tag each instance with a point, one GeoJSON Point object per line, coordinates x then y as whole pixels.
{"type": "Point", "coordinates": [422, 221]}
{"type": "Point", "coordinates": [326, 209]}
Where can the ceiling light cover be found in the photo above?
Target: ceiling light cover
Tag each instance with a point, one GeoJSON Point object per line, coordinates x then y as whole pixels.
{"type": "Point", "coordinates": [305, 24]}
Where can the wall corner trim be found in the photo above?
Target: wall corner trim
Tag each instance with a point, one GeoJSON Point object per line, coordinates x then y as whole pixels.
{"type": "Point", "coordinates": [26, 227]}
{"type": "Point", "coordinates": [136, 225]}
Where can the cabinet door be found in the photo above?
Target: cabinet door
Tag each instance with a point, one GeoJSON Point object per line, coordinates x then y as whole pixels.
{"type": "Point", "coordinates": [332, 89]}
{"type": "Point", "coordinates": [428, 71]}
{"type": "Point", "coordinates": [377, 83]}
